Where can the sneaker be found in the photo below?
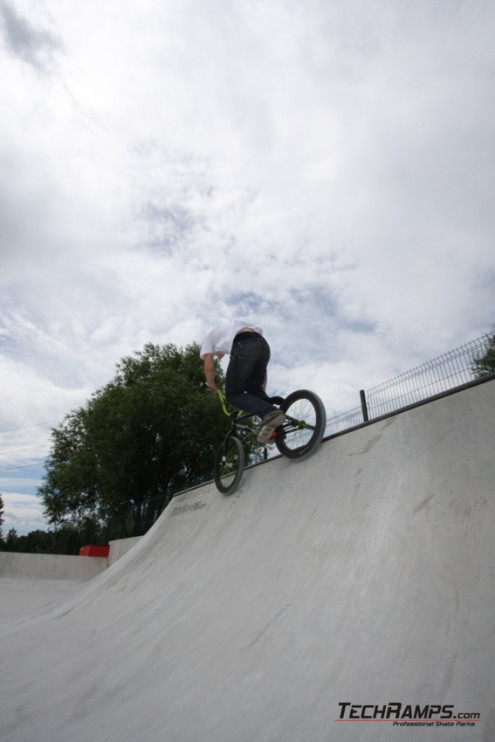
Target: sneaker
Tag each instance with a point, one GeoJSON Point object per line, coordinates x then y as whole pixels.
{"type": "Point", "coordinates": [271, 421]}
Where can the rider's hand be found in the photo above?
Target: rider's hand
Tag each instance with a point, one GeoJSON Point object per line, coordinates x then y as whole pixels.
{"type": "Point", "coordinates": [209, 366]}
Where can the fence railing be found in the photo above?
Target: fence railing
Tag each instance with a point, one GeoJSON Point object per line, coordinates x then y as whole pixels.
{"type": "Point", "coordinates": [446, 372]}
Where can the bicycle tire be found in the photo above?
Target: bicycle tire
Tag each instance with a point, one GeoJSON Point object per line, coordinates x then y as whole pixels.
{"type": "Point", "coordinates": [302, 433]}
{"type": "Point", "coordinates": [229, 465]}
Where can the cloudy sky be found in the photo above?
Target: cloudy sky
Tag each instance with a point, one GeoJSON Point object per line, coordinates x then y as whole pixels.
{"type": "Point", "coordinates": [325, 167]}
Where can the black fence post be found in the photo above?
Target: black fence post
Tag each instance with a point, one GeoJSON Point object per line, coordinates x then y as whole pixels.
{"type": "Point", "coordinates": [364, 406]}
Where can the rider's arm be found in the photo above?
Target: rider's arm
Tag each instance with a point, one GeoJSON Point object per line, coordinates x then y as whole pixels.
{"type": "Point", "coordinates": [209, 365]}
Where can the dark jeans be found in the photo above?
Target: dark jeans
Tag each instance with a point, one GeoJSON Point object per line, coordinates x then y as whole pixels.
{"type": "Point", "coordinates": [246, 374]}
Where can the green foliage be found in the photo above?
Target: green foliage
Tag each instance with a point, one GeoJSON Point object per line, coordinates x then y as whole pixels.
{"type": "Point", "coordinates": [63, 540]}
{"type": "Point", "coordinates": [485, 364]}
{"type": "Point", "coordinates": [43, 542]}
{"type": "Point", "coordinates": [144, 436]}
{"type": "Point", "coordinates": [11, 540]}
{"type": "Point", "coordinates": [1, 517]}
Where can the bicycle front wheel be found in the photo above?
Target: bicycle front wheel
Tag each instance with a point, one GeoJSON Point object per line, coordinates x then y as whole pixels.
{"type": "Point", "coordinates": [303, 430]}
{"type": "Point", "coordinates": [229, 465]}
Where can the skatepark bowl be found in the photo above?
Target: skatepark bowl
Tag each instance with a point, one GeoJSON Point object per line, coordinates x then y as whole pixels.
{"type": "Point", "coordinates": [348, 597]}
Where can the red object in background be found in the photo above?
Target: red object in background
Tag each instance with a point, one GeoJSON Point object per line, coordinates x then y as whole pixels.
{"type": "Point", "coordinates": [94, 551]}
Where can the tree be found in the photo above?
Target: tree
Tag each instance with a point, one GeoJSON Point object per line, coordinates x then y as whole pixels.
{"type": "Point", "coordinates": [11, 540]}
{"type": "Point", "coordinates": [147, 434]}
{"type": "Point", "coordinates": [60, 541]}
{"type": "Point", "coordinates": [485, 364]}
{"type": "Point", "coordinates": [1, 517]}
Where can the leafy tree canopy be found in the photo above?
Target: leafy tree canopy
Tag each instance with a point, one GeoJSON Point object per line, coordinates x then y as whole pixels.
{"type": "Point", "coordinates": [147, 434]}
{"type": "Point", "coordinates": [1, 516]}
{"type": "Point", "coordinates": [485, 364]}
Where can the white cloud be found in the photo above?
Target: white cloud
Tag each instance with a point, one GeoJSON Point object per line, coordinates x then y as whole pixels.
{"type": "Point", "coordinates": [325, 167]}
{"type": "Point", "coordinates": [36, 46]}
{"type": "Point", "coordinates": [22, 512]}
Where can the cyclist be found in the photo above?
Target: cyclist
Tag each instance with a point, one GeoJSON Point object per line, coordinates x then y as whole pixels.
{"type": "Point", "coordinates": [246, 376]}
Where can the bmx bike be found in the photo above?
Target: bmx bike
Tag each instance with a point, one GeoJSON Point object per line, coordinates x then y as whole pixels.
{"type": "Point", "coordinates": [296, 438]}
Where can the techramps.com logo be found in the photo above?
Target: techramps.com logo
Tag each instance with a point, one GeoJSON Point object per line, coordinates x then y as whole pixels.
{"type": "Point", "coordinates": [407, 715]}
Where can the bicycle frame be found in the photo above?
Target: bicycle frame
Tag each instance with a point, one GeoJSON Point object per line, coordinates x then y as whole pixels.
{"type": "Point", "coordinates": [289, 425]}
{"type": "Point", "coordinates": [235, 416]}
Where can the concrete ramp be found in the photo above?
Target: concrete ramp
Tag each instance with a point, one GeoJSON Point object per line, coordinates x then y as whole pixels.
{"type": "Point", "coordinates": [349, 597]}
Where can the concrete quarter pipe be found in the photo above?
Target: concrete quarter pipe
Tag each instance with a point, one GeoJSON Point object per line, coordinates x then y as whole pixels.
{"type": "Point", "coordinates": [349, 597]}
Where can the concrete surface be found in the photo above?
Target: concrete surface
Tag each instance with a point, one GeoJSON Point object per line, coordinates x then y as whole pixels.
{"type": "Point", "coordinates": [50, 566]}
{"type": "Point", "coordinates": [23, 599]}
{"type": "Point", "coordinates": [318, 595]}
{"type": "Point", "coordinates": [121, 547]}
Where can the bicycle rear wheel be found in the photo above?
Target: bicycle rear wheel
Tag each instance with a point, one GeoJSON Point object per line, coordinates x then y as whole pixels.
{"type": "Point", "coordinates": [303, 431]}
{"type": "Point", "coordinates": [229, 465]}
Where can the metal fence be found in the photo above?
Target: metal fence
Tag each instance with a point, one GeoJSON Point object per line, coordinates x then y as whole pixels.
{"type": "Point", "coordinates": [434, 377]}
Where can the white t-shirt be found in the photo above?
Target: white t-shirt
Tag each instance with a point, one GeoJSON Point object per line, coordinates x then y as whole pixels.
{"type": "Point", "coordinates": [221, 338]}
